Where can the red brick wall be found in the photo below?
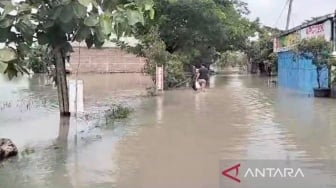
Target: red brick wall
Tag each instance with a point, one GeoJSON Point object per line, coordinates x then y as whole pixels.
{"type": "Point", "coordinates": [106, 60]}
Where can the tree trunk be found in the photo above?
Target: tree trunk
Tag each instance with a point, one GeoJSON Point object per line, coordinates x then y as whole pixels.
{"type": "Point", "coordinates": [254, 68]}
{"type": "Point", "coordinates": [62, 86]}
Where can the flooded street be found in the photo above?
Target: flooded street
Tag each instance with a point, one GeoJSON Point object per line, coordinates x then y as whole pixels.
{"type": "Point", "coordinates": [173, 140]}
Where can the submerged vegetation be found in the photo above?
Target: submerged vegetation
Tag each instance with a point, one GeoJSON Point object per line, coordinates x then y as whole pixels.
{"type": "Point", "coordinates": [118, 112]}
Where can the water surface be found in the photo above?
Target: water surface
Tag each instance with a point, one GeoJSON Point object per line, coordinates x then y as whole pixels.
{"type": "Point", "coordinates": [173, 140]}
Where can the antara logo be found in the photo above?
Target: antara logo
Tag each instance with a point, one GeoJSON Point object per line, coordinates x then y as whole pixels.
{"type": "Point", "coordinates": [262, 173]}
{"type": "Point", "coordinates": [234, 178]}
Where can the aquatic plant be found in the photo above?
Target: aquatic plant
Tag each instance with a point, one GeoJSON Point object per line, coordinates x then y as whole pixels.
{"type": "Point", "coordinates": [118, 112]}
{"type": "Point", "coordinates": [151, 91]}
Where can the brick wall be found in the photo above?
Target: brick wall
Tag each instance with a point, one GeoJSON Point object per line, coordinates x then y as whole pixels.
{"type": "Point", "coordinates": [106, 60]}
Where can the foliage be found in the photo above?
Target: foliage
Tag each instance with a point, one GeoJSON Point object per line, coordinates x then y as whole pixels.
{"type": "Point", "coordinates": [261, 49]}
{"type": "Point", "coordinates": [155, 52]}
{"type": "Point", "coordinates": [154, 49]}
{"type": "Point", "coordinates": [118, 112]}
{"type": "Point", "coordinates": [273, 59]}
{"type": "Point", "coordinates": [231, 58]}
{"type": "Point", "coordinates": [2, 67]}
{"type": "Point", "coordinates": [201, 24]}
{"type": "Point", "coordinates": [56, 23]}
{"type": "Point", "coordinates": [188, 32]}
{"type": "Point", "coordinates": [38, 59]}
{"type": "Point", "coordinates": [318, 50]}
{"type": "Point", "coordinates": [174, 72]}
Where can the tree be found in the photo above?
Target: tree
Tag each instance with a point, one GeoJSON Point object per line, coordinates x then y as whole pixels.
{"type": "Point", "coordinates": [194, 26]}
{"type": "Point", "coordinates": [261, 49]}
{"type": "Point", "coordinates": [193, 32]}
{"type": "Point", "coordinates": [56, 23]}
{"type": "Point", "coordinates": [201, 24]}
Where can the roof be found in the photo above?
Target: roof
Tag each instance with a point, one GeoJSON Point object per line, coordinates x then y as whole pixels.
{"type": "Point", "coordinates": [309, 23]}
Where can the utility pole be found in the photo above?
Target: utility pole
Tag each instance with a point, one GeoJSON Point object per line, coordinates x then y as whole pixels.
{"type": "Point", "coordinates": [289, 13]}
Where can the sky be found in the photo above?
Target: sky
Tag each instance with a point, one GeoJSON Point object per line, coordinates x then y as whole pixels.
{"type": "Point", "coordinates": [269, 11]}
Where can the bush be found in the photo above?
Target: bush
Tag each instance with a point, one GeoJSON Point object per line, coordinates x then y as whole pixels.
{"type": "Point", "coordinates": [36, 65]}
{"type": "Point", "coordinates": [38, 59]}
{"type": "Point", "coordinates": [156, 54]}
{"type": "Point", "coordinates": [174, 73]}
{"type": "Point", "coordinates": [118, 112]}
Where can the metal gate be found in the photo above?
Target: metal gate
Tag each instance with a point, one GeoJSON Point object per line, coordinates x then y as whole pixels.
{"type": "Point", "coordinates": [298, 73]}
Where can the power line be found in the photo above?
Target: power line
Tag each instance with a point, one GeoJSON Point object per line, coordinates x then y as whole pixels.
{"type": "Point", "coordinates": [282, 11]}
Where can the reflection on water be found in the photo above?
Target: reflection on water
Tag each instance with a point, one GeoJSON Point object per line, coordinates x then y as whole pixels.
{"type": "Point", "coordinates": [159, 112]}
{"type": "Point", "coordinates": [64, 127]}
{"type": "Point", "coordinates": [174, 140]}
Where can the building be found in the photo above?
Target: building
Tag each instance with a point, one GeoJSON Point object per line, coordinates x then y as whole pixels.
{"type": "Point", "coordinates": [108, 59]}
{"type": "Point", "coordinates": [297, 73]}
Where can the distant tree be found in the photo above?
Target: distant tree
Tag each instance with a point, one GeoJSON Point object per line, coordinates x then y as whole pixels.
{"type": "Point", "coordinates": [261, 50]}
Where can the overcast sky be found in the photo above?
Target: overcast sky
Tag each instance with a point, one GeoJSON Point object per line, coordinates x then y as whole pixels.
{"type": "Point", "coordinates": [269, 11]}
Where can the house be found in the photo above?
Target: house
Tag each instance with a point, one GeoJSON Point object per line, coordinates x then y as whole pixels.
{"type": "Point", "coordinates": [298, 73]}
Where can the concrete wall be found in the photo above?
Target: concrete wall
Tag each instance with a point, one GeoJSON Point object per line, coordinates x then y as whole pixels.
{"type": "Point", "coordinates": [298, 73]}
{"type": "Point", "coordinates": [105, 60]}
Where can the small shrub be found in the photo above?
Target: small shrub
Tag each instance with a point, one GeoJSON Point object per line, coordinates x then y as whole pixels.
{"type": "Point", "coordinates": [118, 112]}
{"type": "Point", "coordinates": [36, 65]}
{"type": "Point", "coordinates": [151, 91]}
{"type": "Point", "coordinates": [174, 73]}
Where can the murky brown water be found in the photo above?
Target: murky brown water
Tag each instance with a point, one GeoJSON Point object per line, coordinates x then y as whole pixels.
{"type": "Point", "coordinates": [175, 140]}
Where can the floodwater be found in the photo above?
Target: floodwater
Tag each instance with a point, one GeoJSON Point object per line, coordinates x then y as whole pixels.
{"type": "Point", "coordinates": [173, 140]}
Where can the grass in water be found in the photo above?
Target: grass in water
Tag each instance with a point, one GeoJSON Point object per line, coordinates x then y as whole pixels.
{"type": "Point", "coordinates": [118, 112]}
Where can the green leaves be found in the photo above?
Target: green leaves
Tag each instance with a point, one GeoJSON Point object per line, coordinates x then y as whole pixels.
{"type": "Point", "coordinates": [135, 17]}
{"type": "Point", "coordinates": [85, 2]}
{"type": "Point", "coordinates": [7, 6]}
{"type": "Point", "coordinates": [55, 13]}
{"type": "Point", "coordinates": [79, 10]}
{"type": "Point", "coordinates": [6, 22]}
{"type": "Point", "coordinates": [4, 34]}
{"type": "Point", "coordinates": [56, 22]}
{"type": "Point", "coordinates": [27, 29]}
{"type": "Point", "coordinates": [83, 33]}
{"type": "Point", "coordinates": [7, 55]}
{"type": "Point", "coordinates": [316, 49]}
{"type": "Point", "coordinates": [91, 21]}
{"type": "Point", "coordinates": [99, 35]}
{"type": "Point", "coordinates": [42, 38]}
{"type": "Point", "coordinates": [66, 2]}
{"type": "Point", "coordinates": [24, 8]}
{"type": "Point", "coordinates": [67, 14]}
{"type": "Point", "coordinates": [2, 67]}
{"type": "Point", "coordinates": [23, 48]}
{"type": "Point", "coordinates": [152, 14]}
{"type": "Point", "coordinates": [148, 6]}
{"type": "Point", "coordinates": [105, 24]}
